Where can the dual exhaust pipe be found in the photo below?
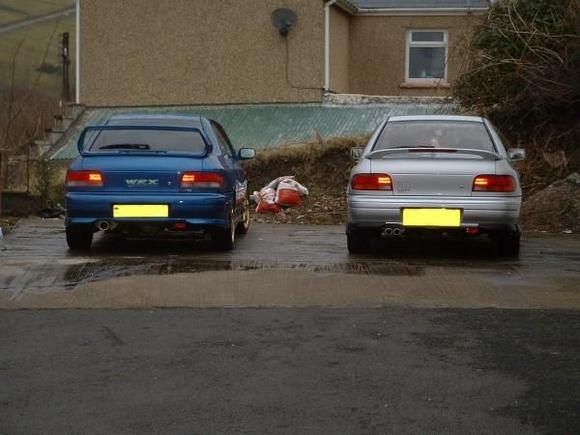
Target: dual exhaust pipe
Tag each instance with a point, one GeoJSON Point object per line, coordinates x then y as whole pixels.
{"type": "Point", "coordinates": [393, 232]}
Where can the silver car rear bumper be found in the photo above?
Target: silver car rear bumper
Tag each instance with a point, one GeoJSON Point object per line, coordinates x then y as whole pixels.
{"type": "Point", "coordinates": [376, 210]}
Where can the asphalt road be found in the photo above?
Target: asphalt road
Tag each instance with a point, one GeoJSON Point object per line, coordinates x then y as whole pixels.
{"type": "Point", "coordinates": [287, 334]}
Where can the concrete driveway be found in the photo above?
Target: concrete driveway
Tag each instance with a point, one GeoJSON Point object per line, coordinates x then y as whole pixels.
{"type": "Point", "coordinates": [282, 266]}
{"type": "Point", "coordinates": [287, 334]}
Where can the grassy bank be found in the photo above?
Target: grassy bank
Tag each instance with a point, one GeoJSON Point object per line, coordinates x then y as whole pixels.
{"type": "Point", "coordinates": [33, 47]}
{"type": "Point", "coordinates": [13, 11]}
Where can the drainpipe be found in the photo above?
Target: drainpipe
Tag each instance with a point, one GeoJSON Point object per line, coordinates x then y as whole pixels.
{"type": "Point", "coordinates": [327, 6]}
{"type": "Point", "coordinates": [78, 53]}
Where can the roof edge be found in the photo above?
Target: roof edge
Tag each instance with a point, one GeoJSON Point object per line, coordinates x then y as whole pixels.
{"type": "Point", "coordinates": [347, 6]}
{"type": "Point", "coordinates": [424, 11]}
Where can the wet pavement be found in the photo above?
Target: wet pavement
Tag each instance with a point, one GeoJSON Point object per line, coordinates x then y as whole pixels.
{"type": "Point", "coordinates": [283, 266]}
{"type": "Point", "coordinates": [287, 334]}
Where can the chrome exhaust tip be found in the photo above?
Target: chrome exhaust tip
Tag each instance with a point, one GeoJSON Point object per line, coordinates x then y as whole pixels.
{"type": "Point", "coordinates": [392, 232]}
{"type": "Point", "coordinates": [103, 226]}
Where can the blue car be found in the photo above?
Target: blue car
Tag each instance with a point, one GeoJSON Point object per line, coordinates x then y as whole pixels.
{"type": "Point", "coordinates": [157, 175]}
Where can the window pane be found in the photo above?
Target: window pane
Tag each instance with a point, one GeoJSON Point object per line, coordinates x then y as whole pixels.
{"type": "Point", "coordinates": [427, 63]}
{"type": "Point", "coordinates": [227, 141]}
{"type": "Point", "coordinates": [150, 140]}
{"type": "Point", "coordinates": [428, 37]}
{"type": "Point", "coordinates": [437, 134]}
{"type": "Point", "coordinates": [222, 142]}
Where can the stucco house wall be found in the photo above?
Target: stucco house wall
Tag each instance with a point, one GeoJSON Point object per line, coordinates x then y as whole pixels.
{"type": "Point", "coordinates": [174, 52]}
{"type": "Point", "coordinates": [339, 50]}
{"type": "Point", "coordinates": [378, 52]}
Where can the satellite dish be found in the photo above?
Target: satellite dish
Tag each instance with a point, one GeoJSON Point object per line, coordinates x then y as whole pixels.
{"type": "Point", "coordinates": [284, 19]}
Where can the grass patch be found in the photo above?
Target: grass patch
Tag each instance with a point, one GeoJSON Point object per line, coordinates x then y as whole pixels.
{"type": "Point", "coordinates": [36, 41]}
{"type": "Point", "coordinates": [7, 223]}
{"type": "Point", "coordinates": [12, 11]}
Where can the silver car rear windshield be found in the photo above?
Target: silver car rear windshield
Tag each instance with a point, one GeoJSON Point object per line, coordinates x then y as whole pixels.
{"type": "Point", "coordinates": [116, 139]}
{"type": "Point", "coordinates": [435, 134]}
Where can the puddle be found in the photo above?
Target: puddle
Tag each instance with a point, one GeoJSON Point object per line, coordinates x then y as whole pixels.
{"type": "Point", "coordinates": [76, 274]}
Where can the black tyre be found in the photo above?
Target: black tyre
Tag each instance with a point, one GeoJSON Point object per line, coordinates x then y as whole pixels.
{"type": "Point", "coordinates": [508, 245]}
{"type": "Point", "coordinates": [244, 225]}
{"type": "Point", "coordinates": [79, 238]}
{"type": "Point", "coordinates": [223, 239]}
{"type": "Point", "coordinates": [358, 243]}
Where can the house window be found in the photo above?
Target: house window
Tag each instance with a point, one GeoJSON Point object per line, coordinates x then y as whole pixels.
{"type": "Point", "coordinates": [427, 56]}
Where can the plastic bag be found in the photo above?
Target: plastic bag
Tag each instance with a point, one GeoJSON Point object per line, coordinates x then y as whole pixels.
{"type": "Point", "coordinates": [266, 207]}
{"type": "Point", "coordinates": [283, 192]}
{"type": "Point", "coordinates": [266, 201]}
{"type": "Point", "coordinates": [289, 193]}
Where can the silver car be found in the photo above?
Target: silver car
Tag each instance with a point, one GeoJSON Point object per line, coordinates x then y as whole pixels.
{"type": "Point", "coordinates": [448, 175]}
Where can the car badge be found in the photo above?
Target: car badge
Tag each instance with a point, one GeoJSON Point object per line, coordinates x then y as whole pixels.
{"type": "Point", "coordinates": [142, 182]}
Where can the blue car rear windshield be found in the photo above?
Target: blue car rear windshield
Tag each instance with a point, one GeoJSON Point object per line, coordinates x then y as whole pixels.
{"type": "Point", "coordinates": [118, 140]}
{"type": "Point", "coordinates": [435, 134]}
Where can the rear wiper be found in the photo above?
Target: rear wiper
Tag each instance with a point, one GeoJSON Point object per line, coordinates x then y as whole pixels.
{"type": "Point", "coordinates": [126, 146]}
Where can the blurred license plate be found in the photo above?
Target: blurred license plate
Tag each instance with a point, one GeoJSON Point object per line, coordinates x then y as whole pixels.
{"type": "Point", "coordinates": [140, 211]}
{"type": "Point", "coordinates": [431, 217]}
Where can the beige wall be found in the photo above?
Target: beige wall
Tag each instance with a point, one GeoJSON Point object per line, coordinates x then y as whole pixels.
{"type": "Point", "coordinates": [165, 52]}
{"type": "Point", "coordinates": [378, 52]}
{"type": "Point", "coordinates": [339, 50]}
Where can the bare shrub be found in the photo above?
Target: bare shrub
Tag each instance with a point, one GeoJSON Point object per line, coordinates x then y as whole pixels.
{"type": "Point", "coordinates": [24, 115]}
{"type": "Point", "coordinates": [525, 74]}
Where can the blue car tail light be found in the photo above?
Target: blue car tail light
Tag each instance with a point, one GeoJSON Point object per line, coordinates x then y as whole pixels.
{"type": "Point", "coordinates": [190, 180]}
{"type": "Point", "coordinates": [84, 179]}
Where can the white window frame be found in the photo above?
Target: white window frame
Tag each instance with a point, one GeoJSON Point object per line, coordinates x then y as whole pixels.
{"type": "Point", "coordinates": [426, 44]}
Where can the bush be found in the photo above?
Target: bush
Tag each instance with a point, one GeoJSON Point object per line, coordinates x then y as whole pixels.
{"type": "Point", "coordinates": [525, 72]}
{"type": "Point", "coordinates": [45, 174]}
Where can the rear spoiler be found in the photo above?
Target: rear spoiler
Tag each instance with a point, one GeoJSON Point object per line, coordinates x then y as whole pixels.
{"type": "Point", "coordinates": [486, 155]}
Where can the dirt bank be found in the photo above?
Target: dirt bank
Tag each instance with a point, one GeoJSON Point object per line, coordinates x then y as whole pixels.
{"type": "Point", "coordinates": [324, 168]}
{"type": "Point", "coordinates": [554, 208]}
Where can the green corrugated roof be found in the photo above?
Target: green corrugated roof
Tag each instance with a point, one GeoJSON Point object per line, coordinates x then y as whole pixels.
{"type": "Point", "coordinates": [271, 125]}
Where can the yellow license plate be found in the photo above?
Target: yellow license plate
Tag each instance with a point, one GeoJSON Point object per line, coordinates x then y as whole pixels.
{"type": "Point", "coordinates": [431, 217]}
{"type": "Point", "coordinates": [141, 211]}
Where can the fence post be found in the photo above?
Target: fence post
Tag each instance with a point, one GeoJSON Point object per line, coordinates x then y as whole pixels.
{"type": "Point", "coordinates": [28, 168]}
{"type": "Point", "coordinates": [1, 177]}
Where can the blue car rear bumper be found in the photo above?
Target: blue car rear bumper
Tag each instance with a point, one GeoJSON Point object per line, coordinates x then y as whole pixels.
{"type": "Point", "coordinates": [197, 209]}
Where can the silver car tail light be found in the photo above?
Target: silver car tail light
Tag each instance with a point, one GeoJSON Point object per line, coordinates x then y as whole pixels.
{"type": "Point", "coordinates": [371, 182]}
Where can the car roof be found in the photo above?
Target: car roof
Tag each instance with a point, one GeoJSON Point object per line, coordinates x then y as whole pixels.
{"type": "Point", "coordinates": [162, 120]}
{"type": "Point", "coordinates": [451, 118]}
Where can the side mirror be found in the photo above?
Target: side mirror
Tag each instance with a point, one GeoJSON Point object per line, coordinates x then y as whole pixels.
{"type": "Point", "coordinates": [356, 153]}
{"type": "Point", "coordinates": [246, 153]}
{"type": "Point", "coordinates": [517, 154]}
